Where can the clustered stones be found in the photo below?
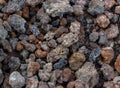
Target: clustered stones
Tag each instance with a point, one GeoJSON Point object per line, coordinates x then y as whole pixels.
{"type": "Point", "coordinates": [59, 43]}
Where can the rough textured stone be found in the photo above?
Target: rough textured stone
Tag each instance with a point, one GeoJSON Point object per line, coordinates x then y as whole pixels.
{"type": "Point", "coordinates": [56, 7]}
{"type": "Point", "coordinates": [17, 22]}
{"type": "Point", "coordinates": [88, 75]}
{"type": "Point", "coordinates": [34, 2]}
{"type": "Point", "coordinates": [3, 32]}
{"type": "Point", "coordinates": [93, 36]}
{"type": "Point", "coordinates": [107, 54]}
{"type": "Point", "coordinates": [33, 67]}
{"type": "Point", "coordinates": [96, 7]}
{"type": "Point", "coordinates": [117, 65]}
{"type": "Point", "coordinates": [76, 60]}
{"type": "Point", "coordinates": [57, 53]}
{"type": "Point", "coordinates": [16, 80]}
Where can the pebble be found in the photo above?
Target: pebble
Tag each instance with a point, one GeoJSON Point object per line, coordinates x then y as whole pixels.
{"type": "Point", "coordinates": [60, 64]}
{"type": "Point", "coordinates": [94, 36]}
{"type": "Point", "coordinates": [88, 75]}
{"type": "Point", "coordinates": [17, 22]}
{"type": "Point", "coordinates": [54, 8]}
{"type": "Point", "coordinates": [117, 9]}
{"type": "Point", "coordinates": [96, 7]}
{"type": "Point", "coordinates": [63, 22]}
{"type": "Point", "coordinates": [52, 43]}
{"type": "Point", "coordinates": [102, 21]}
{"type": "Point", "coordinates": [103, 38]}
{"type": "Point", "coordinates": [94, 54]}
{"type": "Point", "coordinates": [78, 10]}
{"type": "Point", "coordinates": [33, 3]}
{"type": "Point", "coordinates": [40, 54]}
{"type": "Point", "coordinates": [3, 33]}
{"type": "Point", "coordinates": [19, 46]}
{"type": "Point", "coordinates": [16, 80]}
{"type": "Point", "coordinates": [14, 63]}
{"type": "Point", "coordinates": [6, 45]}
{"type": "Point", "coordinates": [32, 38]}
{"type": "Point", "coordinates": [75, 27]}
{"type": "Point", "coordinates": [44, 75]}
{"type": "Point", "coordinates": [34, 29]}
{"type": "Point", "coordinates": [117, 65]}
{"type": "Point", "coordinates": [108, 71]}
{"type": "Point", "coordinates": [24, 53]}
{"type": "Point", "coordinates": [49, 36]}
{"type": "Point", "coordinates": [2, 55]}
{"type": "Point", "coordinates": [43, 17]}
{"type": "Point", "coordinates": [48, 67]}
{"type": "Point", "coordinates": [13, 42]}
{"type": "Point", "coordinates": [109, 4]}
{"type": "Point", "coordinates": [59, 87]}
{"type": "Point", "coordinates": [76, 60]}
{"type": "Point", "coordinates": [69, 39]}
{"type": "Point", "coordinates": [32, 82]}
{"type": "Point", "coordinates": [57, 53]}
{"type": "Point", "coordinates": [66, 75]}
{"type": "Point", "coordinates": [43, 85]}
{"type": "Point", "coordinates": [112, 31]}
{"type": "Point", "coordinates": [108, 54]}
{"type": "Point", "coordinates": [25, 12]}
{"type": "Point", "coordinates": [23, 68]}
{"type": "Point", "coordinates": [14, 5]}
{"type": "Point", "coordinates": [1, 77]}
{"type": "Point", "coordinates": [32, 68]}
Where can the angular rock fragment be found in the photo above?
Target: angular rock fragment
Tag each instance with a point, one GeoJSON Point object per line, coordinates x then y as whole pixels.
{"type": "Point", "coordinates": [34, 2]}
{"type": "Point", "coordinates": [3, 32]}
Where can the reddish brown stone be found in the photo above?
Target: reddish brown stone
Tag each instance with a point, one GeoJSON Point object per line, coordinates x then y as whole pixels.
{"type": "Point", "coordinates": [40, 54]}
{"type": "Point", "coordinates": [71, 84]}
{"type": "Point", "coordinates": [32, 38]}
{"type": "Point", "coordinates": [19, 46]}
{"type": "Point", "coordinates": [25, 12]}
{"type": "Point", "coordinates": [117, 63]}
{"type": "Point", "coordinates": [107, 54]}
{"type": "Point", "coordinates": [33, 67]}
{"type": "Point", "coordinates": [63, 22]}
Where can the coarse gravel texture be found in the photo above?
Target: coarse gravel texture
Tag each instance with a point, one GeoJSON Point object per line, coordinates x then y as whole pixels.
{"type": "Point", "coordinates": [59, 43]}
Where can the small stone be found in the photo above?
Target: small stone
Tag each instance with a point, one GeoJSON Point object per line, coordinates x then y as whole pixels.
{"type": "Point", "coordinates": [54, 8]}
{"type": "Point", "coordinates": [76, 60]}
{"type": "Point", "coordinates": [32, 38]}
{"type": "Point", "coordinates": [71, 84]}
{"type": "Point", "coordinates": [109, 4]}
{"type": "Point", "coordinates": [69, 39]}
{"type": "Point", "coordinates": [32, 82]}
{"type": "Point", "coordinates": [117, 63]}
{"type": "Point", "coordinates": [14, 5]}
{"type": "Point", "coordinates": [116, 80]}
{"type": "Point", "coordinates": [17, 22]}
{"type": "Point", "coordinates": [94, 54]}
{"type": "Point", "coordinates": [48, 67]}
{"type": "Point", "coordinates": [40, 54]}
{"type": "Point", "coordinates": [24, 54]}
{"type": "Point", "coordinates": [93, 36]}
{"type": "Point", "coordinates": [108, 54]}
{"type": "Point", "coordinates": [78, 10]}
{"type": "Point", "coordinates": [19, 46]}
{"type": "Point", "coordinates": [25, 12]}
{"type": "Point", "coordinates": [59, 87]}
{"type": "Point", "coordinates": [3, 32]}
{"type": "Point", "coordinates": [13, 42]}
{"type": "Point", "coordinates": [6, 45]}
{"type": "Point", "coordinates": [63, 22]}
{"type": "Point", "coordinates": [66, 75]}
{"type": "Point", "coordinates": [96, 7]}
{"type": "Point", "coordinates": [14, 63]}
{"type": "Point", "coordinates": [103, 38]}
{"type": "Point", "coordinates": [75, 27]}
{"type": "Point", "coordinates": [16, 80]}
{"type": "Point", "coordinates": [2, 55]}
{"type": "Point", "coordinates": [1, 77]}
{"type": "Point", "coordinates": [43, 17]}
{"type": "Point", "coordinates": [57, 53]}
{"type": "Point", "coordinates": [102, 21]}
{"type": "Point", "coordinates": [32, 68]}
{"type": "Point", "coordinates": [109, 84]}
{"type": "Point", "coordinates": [43, 85]}
{"type": "Point", "coordinates": [34, 2]}
{"type": "Point", "coordinates": [23, 69]}
{"type": "Point", "coordinates": [34, 29]}
{"type": "Point", "coordinates": [60, 64]}
{"type": "Point", "coordinates": [78, 84]}
{"type": "Point", "coordinates": [108, 71]}
{"type": "Point", "coordinates": [49, 36]}
{"type": "Point", "coordinates": [88, 75]}
{"type": "Point", "coordinates": [44, 75]}
{"type": "Point", "coordinates": [112, 32]}
{"type": "Point", "coordinates": [52, 43]}
{"type": "Point", "coordinates": [117, 9]}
